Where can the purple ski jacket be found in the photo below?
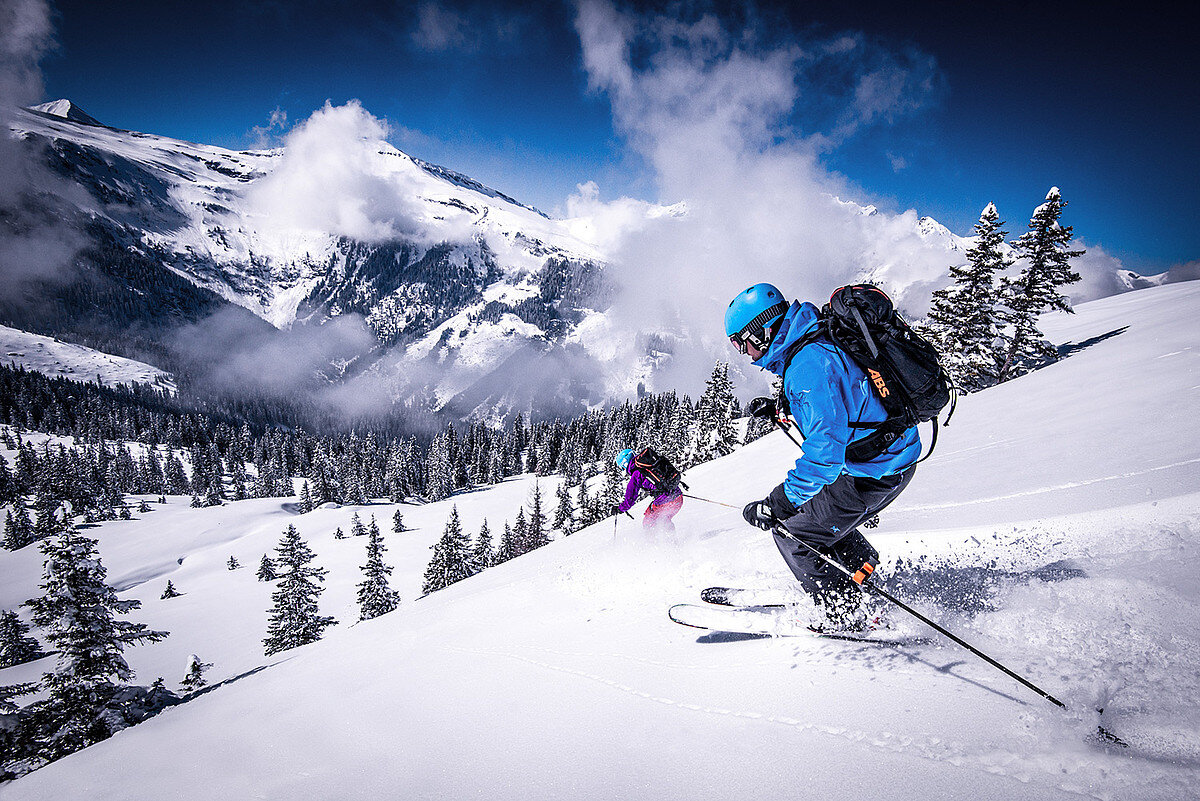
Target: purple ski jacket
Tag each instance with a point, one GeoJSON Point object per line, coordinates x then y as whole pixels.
{"type": "Point", "coordinates": [639, 482]}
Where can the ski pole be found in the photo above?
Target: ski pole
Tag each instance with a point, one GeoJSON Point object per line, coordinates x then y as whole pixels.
{"type": "Point", "coordinates": [860, 578]}
{"type": "Point", "coordinates": [706, 500]}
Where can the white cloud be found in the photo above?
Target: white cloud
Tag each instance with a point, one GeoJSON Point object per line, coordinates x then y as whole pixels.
{"type": "Point", "coordinates": [732, 128]}
{"type": "Point", "coordinates": [339, 175]}
{"type": "Point", "coordinates": [439, 29]}
{"type": "Point", "coordinates": [269, 135]}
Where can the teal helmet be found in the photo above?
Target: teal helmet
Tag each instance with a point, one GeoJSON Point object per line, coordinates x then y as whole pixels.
{"type": "Point", "coordinates": [624, 458]}
{"type": "Point", "coordinates": [751, 313]}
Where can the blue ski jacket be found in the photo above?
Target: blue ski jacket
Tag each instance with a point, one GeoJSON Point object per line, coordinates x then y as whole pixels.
{"type": "Point", "coordinates": [827, 391]}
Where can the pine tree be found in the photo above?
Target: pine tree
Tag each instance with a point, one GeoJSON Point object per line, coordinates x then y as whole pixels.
{"type": "Point", "coordinates": [266, 569]}
{"type": "Point", "coordinates": [77, 612]}
{"type": "Point", "coordinates": [714, 434]}
{"type": "Point", "coordinates": [338, 534]}
{"type": "Point", "coordinates": [194, 679]}
{"type": "Point", "coordinates": [306, 499]}
{"type": "Point", "coordinates": [536, 536]}
{"type": "Point", "coordinates": [963, 320]}
{"type": "Point", "coordinates": [397, 522]}
{"type": "Point", "coordinates": [439, 469]}
{"type": "Point", "coordinates": [18, 529]}
{"type": "Point", "coordinates": [482, 554]}
{"type": "Point", "coordinates": [564, 511]}
{"type": "Point", "coordinates": [451, 560]}
{"type": "Point", "coordinates": [357, 528]}
{"type": "Point", "coordinates": [233, 563]}
{"type": "Point", "coordinates": [16, 646]}
{"type": "Point", "coordinates": [520, 536]}
{"type": "Point", "coordinates": [294, 617]}
{"type": "Point", "coordinates": [375, 596]}
{"type": "Point", "coordinates": [1035, 291]}
{"type": "Point", "coordinates": [169, 592]}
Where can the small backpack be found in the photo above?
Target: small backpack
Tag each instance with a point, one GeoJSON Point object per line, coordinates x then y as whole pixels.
{"type": "Point", "coordinates": [662, 474]}
{"type": "Point", "coordinates": [903, 367]}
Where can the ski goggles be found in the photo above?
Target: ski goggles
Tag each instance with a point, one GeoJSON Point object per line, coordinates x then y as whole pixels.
{"type": "Point", "coordinates": [755, 332]}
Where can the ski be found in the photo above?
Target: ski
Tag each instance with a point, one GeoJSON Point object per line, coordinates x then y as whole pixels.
{"type": "Point", "coordinates": [738, 596]}
{"type": "Point", "coordinates": [768, 621]}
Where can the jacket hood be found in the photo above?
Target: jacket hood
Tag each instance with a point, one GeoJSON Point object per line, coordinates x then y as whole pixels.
{"type": "Point", "coordinates": [798, 321]}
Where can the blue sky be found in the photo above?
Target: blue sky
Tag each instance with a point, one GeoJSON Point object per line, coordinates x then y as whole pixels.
{"type": "Point", "coordinates": [1004, 102]}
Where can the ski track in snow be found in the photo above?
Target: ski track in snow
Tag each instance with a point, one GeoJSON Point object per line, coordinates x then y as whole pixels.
{"type": "Point", "coordinates": [931, 507]}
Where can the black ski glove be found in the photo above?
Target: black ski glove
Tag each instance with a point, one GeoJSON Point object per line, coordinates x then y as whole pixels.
{"type": "Point", "coordinates": [763, 408]}
{"type": "Point", "coordinates": [757, 513]}
{"type": "Point", "coordinates": [770, 511]}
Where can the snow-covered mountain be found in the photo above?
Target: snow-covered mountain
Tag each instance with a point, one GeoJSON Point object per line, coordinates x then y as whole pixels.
{"type": "Point", "coordinates": [454, 277]}
{"type": "Point", "coordinates": [57, 359]}
{"type": "Point", "coordinates": [1052, 528]}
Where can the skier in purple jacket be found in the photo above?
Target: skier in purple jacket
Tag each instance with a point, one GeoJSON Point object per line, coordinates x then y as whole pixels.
{"type": "Point", "coordinates": [664, 506]}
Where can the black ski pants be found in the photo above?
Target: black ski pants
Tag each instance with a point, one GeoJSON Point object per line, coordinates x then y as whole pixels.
{"type": "Point", "coordinates": [829, 522]}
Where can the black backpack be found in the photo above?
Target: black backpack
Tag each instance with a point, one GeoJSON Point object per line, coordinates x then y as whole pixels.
{"type": "Point", "coordinates": [662, 474]}
{"type": "Point", "coordinates": [903, 366]}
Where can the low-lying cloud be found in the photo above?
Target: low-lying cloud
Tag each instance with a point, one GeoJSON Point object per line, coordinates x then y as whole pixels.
{"type": "Point", "coordinates": [35, 245]}
{"type": "Point", "coordinates": [339, 175]}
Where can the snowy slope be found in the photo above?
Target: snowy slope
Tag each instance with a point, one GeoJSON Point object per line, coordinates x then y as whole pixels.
{"type": "Point", "coordinates": [56, 359]}
{"type": "Point", "coordinates": [1053, 528]}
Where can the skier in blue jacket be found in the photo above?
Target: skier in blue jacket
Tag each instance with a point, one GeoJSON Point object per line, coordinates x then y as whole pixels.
{"type": "Point", "coordinates": [828, 493]}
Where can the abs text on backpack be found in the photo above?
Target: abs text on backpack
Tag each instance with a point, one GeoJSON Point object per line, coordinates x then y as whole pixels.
{"type": "Point", "coordinates": [902, 366]}
{"type": "Point", "coordinates": [662, 474]}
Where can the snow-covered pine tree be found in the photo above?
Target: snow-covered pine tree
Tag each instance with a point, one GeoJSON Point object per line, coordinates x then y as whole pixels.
{"type": "Point", "coordinates": [266, 569]}
{"type": "Point", "coordinates": [506, 546]}
{"type": "Point", "coordinates": [176, 479]}
{"type": "Point", "coordinates": [397, 522]}
{"type": "Point", "coordinates": [194, 678]}
{"type": "Point", "coordinates": [536, 535]}
{"type": "Point", "coordinates": [357, 529]}
{"type": "Point", "coordinates": [963, 320]}
{"type": "Point", "coordinates": [613, 492]}
{"type": "Point", "coordinates": [482, 554]}
{"type": "Point", "coordinates": [306, 500]}
{"type": "Point", "coordinates": [451, 560]}
{"type": "Point", "coordinates": [439, 470]}
{"type": "Point", "coordinates": [375, 595]}
{"type": "Point", "coordinates": [714, 433]}
{"type": "Point", "coordinates": [294, 616]}
{"type": "Point", "coordinates": [169, 592]}
{"type": "Point", "coordinates": [1044, 249]}
{"type": "Point", "coordinates": [233, 563]}
{"type": "Point", "coordinates": [16, 646]}
{"type": "Point", "coordinates": [77, 612]}
{"type": "Point", "coordinates": [18, 528]}
{"type": "Point", "coordinates": [564, 511]}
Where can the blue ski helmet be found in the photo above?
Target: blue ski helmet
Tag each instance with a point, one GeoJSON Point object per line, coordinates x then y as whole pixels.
{"type": "Point", "coordinates": [624, 458]}
{"type": "Point", "coordinates": [752, 311]}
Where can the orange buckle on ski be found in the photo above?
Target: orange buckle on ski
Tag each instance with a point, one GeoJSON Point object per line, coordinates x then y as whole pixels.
{"type": "Point", "coordinates": [863, 573]}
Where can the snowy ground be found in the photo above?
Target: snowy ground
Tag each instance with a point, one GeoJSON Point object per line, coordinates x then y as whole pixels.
{"type": "Point", "coordinates": [1054, 527]}
{"type": "Point", "coordinates": [63, 360]}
